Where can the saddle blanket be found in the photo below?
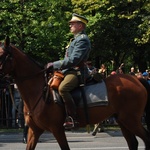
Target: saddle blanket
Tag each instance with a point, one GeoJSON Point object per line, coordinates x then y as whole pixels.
{"type": "Point", "coordinates": [96, 95]}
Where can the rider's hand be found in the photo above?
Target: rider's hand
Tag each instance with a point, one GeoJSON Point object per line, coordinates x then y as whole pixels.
{"type": "Point", "coordinates": [49, 65]}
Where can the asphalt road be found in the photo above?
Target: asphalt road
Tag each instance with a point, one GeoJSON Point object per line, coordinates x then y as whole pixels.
{"type": "Point", "coordinates": [109, 140]}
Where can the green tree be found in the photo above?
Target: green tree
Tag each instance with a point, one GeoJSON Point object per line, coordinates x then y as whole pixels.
{"type": "Point", "coordinates": [118, 30]}
{"type": "Point", "coordinates": [37, 27]}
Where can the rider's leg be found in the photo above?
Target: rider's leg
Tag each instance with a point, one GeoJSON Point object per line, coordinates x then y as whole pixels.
{"type": "Point", "coordinates": [68, 84]}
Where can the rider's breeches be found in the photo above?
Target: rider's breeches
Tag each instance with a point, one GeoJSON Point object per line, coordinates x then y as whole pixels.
{"type": "Point", "coordinates": [69, 83]}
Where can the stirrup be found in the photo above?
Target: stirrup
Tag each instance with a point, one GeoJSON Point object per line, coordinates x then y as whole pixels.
{"type": "Point", "coordinates": [70, 123]}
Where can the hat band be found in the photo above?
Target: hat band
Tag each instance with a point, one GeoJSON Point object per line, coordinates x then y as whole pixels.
{"type": "Point", "coordinates": [79, 19]}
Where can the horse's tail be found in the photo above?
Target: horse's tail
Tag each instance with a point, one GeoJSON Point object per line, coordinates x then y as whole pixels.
{"type": "Point", "coordinates": [147, 108]}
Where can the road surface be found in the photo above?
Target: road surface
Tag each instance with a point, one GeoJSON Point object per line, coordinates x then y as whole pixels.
{"type": "Point", "coordinates": [109, 140]}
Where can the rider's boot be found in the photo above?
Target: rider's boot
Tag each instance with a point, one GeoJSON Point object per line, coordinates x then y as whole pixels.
{"type": "Point", "coordinates": [71, 119]}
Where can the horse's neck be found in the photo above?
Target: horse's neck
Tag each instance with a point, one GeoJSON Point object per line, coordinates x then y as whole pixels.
{"type": "Point", "coordinates": [31, 91]}
{"type": "Point", "coordinates": [30, 83]}
{"type": "Point", "coordinates": [24, 67]}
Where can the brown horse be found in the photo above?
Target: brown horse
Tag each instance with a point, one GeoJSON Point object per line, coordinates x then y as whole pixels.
{"type": "Point", "coordinates": [127, 100]}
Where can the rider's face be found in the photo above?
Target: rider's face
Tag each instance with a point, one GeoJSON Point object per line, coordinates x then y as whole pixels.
{"type": "Point", "coordinates": [75, 27]}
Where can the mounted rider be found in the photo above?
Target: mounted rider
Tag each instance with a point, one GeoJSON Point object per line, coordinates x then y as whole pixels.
{"type": "Point", "coordinates": [76, 55]}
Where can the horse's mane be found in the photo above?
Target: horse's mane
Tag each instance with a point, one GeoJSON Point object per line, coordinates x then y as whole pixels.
{"type": "Point", "coordinates": [29, 57]}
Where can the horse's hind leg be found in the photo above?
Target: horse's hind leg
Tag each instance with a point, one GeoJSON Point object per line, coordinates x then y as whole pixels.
{"type": "Point", "coordinates": [130, 138]}
{"type": "Point", "coordinates": [147, 118]}
{"type": "Point", "coordinates": [132, 127]}
{"type": "Point", "coordinates": [96, 129]}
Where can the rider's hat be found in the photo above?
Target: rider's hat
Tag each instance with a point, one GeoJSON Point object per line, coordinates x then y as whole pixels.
{"type": "Point", "coordinates": [76, 17]}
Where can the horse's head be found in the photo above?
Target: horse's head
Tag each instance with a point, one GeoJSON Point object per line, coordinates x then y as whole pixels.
{"type": "Point", "coordinates": [6, 62]}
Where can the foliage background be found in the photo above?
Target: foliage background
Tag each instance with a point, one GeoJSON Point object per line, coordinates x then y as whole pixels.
{"type": "Point", "coordinates": [119, 30]}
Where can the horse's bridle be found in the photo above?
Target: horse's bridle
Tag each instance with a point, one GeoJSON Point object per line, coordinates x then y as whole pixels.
{"type": "Point", "coordinates": [8, 56]}
{"type": "Point", "coordinates": [4, 58]}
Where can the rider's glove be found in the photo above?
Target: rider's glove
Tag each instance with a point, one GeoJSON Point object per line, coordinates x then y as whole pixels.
{"type": "Point", "coordinates": [49, 66]}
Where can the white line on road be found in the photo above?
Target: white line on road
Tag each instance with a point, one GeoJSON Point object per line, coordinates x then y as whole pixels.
{"type": "Point", "coordinates": [103, 148]}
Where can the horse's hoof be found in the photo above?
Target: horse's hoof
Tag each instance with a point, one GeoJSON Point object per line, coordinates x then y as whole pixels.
{"type": "Point", "coordinates": [24, 140]}
{"type": "Point", "coordinates": [94, 133]}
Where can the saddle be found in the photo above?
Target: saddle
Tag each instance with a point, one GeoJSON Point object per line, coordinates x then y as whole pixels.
{"type": "Point", "coordinates": [95, 94]}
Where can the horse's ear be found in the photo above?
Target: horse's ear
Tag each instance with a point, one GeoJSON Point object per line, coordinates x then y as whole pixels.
{"type": "Point", "coordinates": [7, 41]}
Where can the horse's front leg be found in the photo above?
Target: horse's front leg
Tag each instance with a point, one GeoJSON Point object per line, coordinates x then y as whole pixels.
{"type": "Point", "coordinates": [59, 134]}
{"type": "Point", "coordinates": [32, 137]}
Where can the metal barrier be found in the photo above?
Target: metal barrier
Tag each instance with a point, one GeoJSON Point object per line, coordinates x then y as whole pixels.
{"type": "Point", "coordinates": [5, 108]}
{"type": "Point", "coordinates": [8, 108]}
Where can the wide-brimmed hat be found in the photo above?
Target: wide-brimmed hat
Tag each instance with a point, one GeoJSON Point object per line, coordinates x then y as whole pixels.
{"type": "Point", "coordinates": [76, 17]}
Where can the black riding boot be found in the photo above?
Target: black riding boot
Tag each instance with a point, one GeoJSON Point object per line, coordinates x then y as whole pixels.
{"type": "Point", "coordinates": [25, 134]}
{"type": "Point", "coordinates": [71, 119]}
